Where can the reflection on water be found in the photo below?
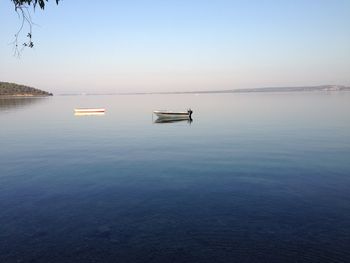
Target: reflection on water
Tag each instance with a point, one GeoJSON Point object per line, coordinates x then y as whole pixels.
{"type": "Point", "coordinates": [11, 103]}
{"type": "Point", "coordinates": [172, 120]}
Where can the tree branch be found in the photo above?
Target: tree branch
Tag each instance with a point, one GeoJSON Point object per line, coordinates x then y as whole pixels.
{"type": "Point", "coordinates": [24, 15]}
{"type": "Point", "coordinates": [22, 9]}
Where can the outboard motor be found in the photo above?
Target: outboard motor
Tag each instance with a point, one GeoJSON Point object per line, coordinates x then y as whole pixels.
{"type": "Point", "coordinates": [190, 113]}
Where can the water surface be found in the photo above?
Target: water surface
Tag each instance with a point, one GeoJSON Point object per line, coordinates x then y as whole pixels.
{"type": "Point", "coordinates": [254, 178]}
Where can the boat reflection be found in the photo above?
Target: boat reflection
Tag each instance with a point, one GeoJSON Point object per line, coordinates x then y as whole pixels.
{"type": "Point", "coordinates": [172, 120]}
{"type": "Point", "coordinates": [89, 114]}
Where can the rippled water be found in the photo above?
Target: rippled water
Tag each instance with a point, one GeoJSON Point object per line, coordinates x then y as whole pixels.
{"type": "Point", "coordinates": [254, 178]}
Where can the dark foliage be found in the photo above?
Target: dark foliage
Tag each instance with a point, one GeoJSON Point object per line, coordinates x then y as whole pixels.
{"type": "Point", "coordinates": [34, 3]}
{"type": "Point", "coordinates": [12, 89]}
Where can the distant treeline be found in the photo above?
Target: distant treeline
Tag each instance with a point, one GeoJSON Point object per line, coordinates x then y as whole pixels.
{"type": "Point", "coordinates": [12, 89]}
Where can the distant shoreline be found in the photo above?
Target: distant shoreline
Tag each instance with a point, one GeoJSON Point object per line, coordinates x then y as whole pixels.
{"type": "Point", "coordinates": [23, 96]}
{"type": "Point", "coordinates": [13, 90]}
{"type": "Point", "coordinates": [323, 88]}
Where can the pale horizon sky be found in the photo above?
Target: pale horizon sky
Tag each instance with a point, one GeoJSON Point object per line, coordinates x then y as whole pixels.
{"type": "Point", "coordinates": [143, 46]}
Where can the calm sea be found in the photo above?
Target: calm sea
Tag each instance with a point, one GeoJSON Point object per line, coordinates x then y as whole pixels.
{"type": "Point", "coordinates": [253, 178]}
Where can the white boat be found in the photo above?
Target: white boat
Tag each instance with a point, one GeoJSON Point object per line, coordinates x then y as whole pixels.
{"type": "Point", "coordinates": [174, 114]}
{"type": "Point", "coordinates": [90, 113]}
{"type": "Point", "coordinates": [88, 110]}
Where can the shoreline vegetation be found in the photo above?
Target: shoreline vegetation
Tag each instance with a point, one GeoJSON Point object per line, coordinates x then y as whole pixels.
{"type": "Point", "coordinates": [321, 88]}
{"type": "Point", "coordinates": [16, 90]}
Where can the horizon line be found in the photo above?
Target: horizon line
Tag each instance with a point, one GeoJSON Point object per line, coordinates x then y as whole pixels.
{"type": "Point", "coordinates": [327, 87]}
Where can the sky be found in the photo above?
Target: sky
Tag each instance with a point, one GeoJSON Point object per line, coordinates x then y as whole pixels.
{"type": "Point", "coordinates": [178, 45]}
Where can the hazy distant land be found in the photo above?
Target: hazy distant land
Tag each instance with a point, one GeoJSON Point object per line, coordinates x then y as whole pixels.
{"type": "Point", "coordinates": [16, 90]}
{"type": "Point", "coordinates": [268, 89]}
{"type": "Point", "coordinates": [324, 88]}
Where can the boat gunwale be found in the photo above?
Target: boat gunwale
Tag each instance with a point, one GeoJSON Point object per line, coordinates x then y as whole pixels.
{"type": "Point", "coordinates": [172, 113]}
{"type": "Point", "coordinates": [89, 110]}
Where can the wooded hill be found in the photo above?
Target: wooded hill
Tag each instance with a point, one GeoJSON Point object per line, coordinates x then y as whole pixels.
{"type": "Point", "coordinates": [12, 89]}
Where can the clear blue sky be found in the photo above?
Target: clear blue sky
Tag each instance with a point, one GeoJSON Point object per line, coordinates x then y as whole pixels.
{"type": "Point", "coordinates": [120, 46]}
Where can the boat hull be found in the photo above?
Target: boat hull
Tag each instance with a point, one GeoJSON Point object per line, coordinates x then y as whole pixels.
{"type": "Point", "coordinates": [89, 113]}
{"type": "Point", "coordinates": [172, 115]}
{"type": "Point", "coordinates": [88, 110]}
